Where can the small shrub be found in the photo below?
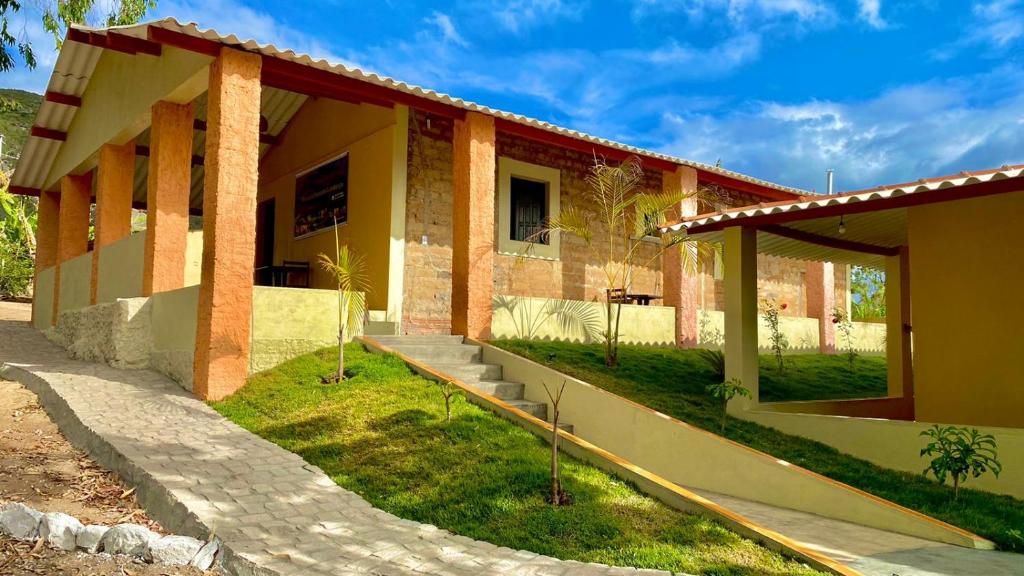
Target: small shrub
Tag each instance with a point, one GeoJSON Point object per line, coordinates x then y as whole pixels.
{"type": "Point", "coordinates": [726, 391]}
{"type": "Point", "coordinates": [449, 390]}
{"type": "Point", "coordinates": [557, 497]}
{"type": "Point", "coordinates": [959, 453]}
{"type": "Point", "coordinates": [845, 327]}
{"type": "Point", "coordinates": [715, 360]}
{"type": "Point", "coordinates": [770, 310]}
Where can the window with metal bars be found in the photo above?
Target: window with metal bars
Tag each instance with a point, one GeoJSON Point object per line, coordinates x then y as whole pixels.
{"type": "Point", "coordinates": [529, 210]}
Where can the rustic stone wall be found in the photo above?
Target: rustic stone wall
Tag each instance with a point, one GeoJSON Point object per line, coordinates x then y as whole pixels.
{"type": "Point", "coordinates": [577, 275]}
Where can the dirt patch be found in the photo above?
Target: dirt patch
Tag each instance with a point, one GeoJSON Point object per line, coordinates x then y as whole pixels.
{"type": "Point", "coordinates": [41, 469]}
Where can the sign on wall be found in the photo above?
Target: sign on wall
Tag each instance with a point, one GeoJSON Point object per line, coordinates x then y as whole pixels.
{"type": "Point", "coordinates": [321, 196]}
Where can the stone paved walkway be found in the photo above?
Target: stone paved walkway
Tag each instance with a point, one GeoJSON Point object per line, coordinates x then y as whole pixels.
{"type": "Point", "coordinates": [197, 472]}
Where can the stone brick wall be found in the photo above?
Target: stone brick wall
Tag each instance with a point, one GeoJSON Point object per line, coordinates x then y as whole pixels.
{"type": "Point", "coordinates": [577, 275]}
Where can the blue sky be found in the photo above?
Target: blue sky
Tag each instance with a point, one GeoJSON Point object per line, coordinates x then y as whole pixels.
{"type": "Point", "coordinates": [881, 90]}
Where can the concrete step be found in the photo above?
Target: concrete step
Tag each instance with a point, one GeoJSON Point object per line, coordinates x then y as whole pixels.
{"type": "Point", "coordinates": [440, 354]}
{"type": "Point", "coordinates": [377, 328]}
{"type": "Point", "coordinates": [471, 373]}
{"type": "Point", "coordinates": [566, 427]}
{"type": "Point", "coordinates": [501, 389]}
{"type": "Point", "coordinates": [538, 409]}
{"type": "Point", "coordinates": [391, 340]}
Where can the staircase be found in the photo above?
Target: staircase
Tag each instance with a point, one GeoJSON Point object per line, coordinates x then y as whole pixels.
{"type": "Point", "coordinates": [451, 355]}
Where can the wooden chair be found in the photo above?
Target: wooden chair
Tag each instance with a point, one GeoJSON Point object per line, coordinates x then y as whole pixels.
{"type": "Point", "coordinates": [296, 274]}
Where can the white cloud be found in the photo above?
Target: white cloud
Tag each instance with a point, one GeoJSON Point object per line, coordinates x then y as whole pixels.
{"type": "Point", "coordinates": [518, 15]}
{"type": "Point", "coordinates": [902, 134]}
{"type": "Point", "coordinates": [870, 12]}
{"type": "Point", "coordinates": [995, 28]}
{"type": "Point", "coordinates": [447, 28]}
{"type": "Point", "coordinates": [741, 13]}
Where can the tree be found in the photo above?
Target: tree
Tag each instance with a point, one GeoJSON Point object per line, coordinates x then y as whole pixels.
{"type": "Point", "coordinates": [17, 241]}
{"type": "Point", "coordinates": [558, 497]}
{"type": "Point", "coordinates": [56, 17]}
{"type": "Point", "coordinates": [726, 391]}
{"type": "Point", "coordinates": [349, 271]}
{"type": "Point", "coordinates": [867, 293]}
{"type": "Point", "coordinates": [616, 222]}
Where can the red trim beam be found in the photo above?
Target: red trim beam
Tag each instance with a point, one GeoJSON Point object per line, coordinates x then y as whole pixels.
{"type": "Point", "coordinates": [65, 99]}
{"type": "Point", "coordinates": [23, 190]}
{"type": "Point", "coordinates": [115, 41]}
{"type": "Point", "coordinates": [48, 133]}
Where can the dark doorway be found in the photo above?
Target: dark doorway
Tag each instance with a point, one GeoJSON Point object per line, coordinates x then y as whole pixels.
{"type": "Point", "coordinates": [264, 240]}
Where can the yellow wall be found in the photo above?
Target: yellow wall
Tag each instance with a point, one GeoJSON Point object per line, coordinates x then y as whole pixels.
{"type": "Point", "coordinates": [321, 130]}
{"type": "Point", "coordinates": [120, 271]}
{"type": "Point", "coordinates": [173, 317]}
{"type": "Point", "coordinates": [42, 307]}
{"type": "Point", "coordinates": [75, 282]}
{"type": "Point", "coordinates": [193, 257]}
{"type": "Point", "coordinates": [966, 274]}
{"type": "Point", "coordinates": [542, 319]}
{"type": "Point", "coordinates": [897, 444]}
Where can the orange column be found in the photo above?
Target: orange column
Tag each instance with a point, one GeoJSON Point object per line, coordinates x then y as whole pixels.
{"type": "Point", "coordinates": [115, 179]}
{"type": "Point", "coordinates": [73, 228]}
{"type": "Point", "coordinates": [167, 197]}
{"type": "Point", "coordinates": [473, 226]}
{"type": "Point", "coordinates": [229, 224]}
{"type": "Point", "coordinates": [47, 225]}
{"type": "Point", "coordinates": [681, 286]}
{"type": "Point", "coordinates": [820, 283]}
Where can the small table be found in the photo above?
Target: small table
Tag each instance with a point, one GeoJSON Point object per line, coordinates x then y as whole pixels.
{"type": "Point", "coordinates": [642, 299]}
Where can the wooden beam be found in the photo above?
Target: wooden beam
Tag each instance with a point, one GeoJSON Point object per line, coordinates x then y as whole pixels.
{"type": "Point", "coordinates": [139, 205]}
{"type": "Point", "coordinates": [564, 141]}
{"type": "Point", "coordinates": [828, 241]}
{"type": "Point", "coordinates": [115, 41]}
{"type": "Point", "coordinates": [65, 99]}
{"type": "Point", "coordinates": [964, 192]}
{"type": "Point", "coordinates": [48, 133]}
{"type": "Point", "coordinates": [183, 41]}
{"type": "Point", "coordinates": [23, 190]}
{"type": "Point", "coordinates": [144, 151]}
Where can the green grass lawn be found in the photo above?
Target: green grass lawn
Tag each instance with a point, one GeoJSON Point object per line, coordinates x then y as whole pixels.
{"type": "Point", "coordinates": [383, 435]}
{"type": "Point", "coordinates": [672, 381]}
{"type": "Point", "coordinates": [822, 377]}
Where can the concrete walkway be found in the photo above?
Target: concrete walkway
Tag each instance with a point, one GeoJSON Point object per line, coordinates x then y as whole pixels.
{"type": "Point", "coordinates": [198, 473]}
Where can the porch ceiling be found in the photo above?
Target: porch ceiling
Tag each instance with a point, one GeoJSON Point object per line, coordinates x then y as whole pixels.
{"type": "Point", "coordinates": [277, 106]}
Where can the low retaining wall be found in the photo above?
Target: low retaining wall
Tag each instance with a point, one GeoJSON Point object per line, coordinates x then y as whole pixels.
{"type": "Point", "coordinates": [896, 445]}
{"type": "Point", "coordinates": [523, 317]}
{"type": "Point", "coordinates": [695, 458]}
{"type": "Point", "coordinates": [290, 322]}
{"type": "Point", "coordinates": [173, 316]}
{"type": "Point", "coordinates": [42, 299]}
{"type": "Point", "coordinates": [120, 269]}
{"type": "Point", "coordinates": [75, 282]}
{"type": "Point", "coordinates": [801, 333]}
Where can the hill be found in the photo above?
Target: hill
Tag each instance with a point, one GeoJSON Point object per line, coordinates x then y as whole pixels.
{"type": "Point", "coordinates": [17, 111]}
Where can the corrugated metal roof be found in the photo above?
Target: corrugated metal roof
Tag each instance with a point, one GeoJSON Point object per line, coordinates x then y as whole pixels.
{"type": "Point", "coordinates": [922, 186]}
{"type": "Point", "coordinates": [76, 62]}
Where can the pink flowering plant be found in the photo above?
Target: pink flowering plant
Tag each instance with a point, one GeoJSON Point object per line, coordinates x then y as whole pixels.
{"type": "Point", "coordinates": [770, 310]}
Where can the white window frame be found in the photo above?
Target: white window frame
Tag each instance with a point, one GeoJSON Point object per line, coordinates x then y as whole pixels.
{"type": "Point", "coordinates": [507, 169]}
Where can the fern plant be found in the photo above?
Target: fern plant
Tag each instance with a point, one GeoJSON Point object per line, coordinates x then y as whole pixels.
{"type": "Point", "coordinates": [960, 454]}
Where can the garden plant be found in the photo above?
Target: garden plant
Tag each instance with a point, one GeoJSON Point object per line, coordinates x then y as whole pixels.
{"type": "Point", "coordinates": [349, 271]}
{"type": "Point", "coordinates": [725, 391]}
{"type": "Point", "coordinates": [771, 310]}
{"type": "Point", "coordinates": [959, 454]}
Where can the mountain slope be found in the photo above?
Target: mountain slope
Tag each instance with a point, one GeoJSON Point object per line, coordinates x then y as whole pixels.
{"type": "Point", "coordinates": [17, 111]}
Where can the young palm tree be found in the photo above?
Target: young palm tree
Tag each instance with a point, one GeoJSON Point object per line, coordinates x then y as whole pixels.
{"type": "Point", "coordinates": [349, 270]}
{"type": "Point", "coordinates": [614, 220]}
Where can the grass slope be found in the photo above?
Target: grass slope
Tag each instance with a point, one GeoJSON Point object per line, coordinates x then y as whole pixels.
{"type": "Point", "coordinates": [15, 121]}
{"type": "Point", "coordinates": [383, 435]}
{"type": "Point", "coordinates": [672, 381]}
{"type": "Point", "coordinates": [822, 377]}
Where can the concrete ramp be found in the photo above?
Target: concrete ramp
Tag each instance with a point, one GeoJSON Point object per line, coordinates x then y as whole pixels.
{"type": "Point", "coordinates": [831, 525]}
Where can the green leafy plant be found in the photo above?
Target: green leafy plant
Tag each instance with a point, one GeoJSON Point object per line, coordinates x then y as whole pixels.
{"type": "Point", "coordinates": [616, 221]}
{"type": "Point", "coordinates": [867, 293]}
{"type": "Point", "coordinates": [17, 241]}
{"type": "Point", "coordinates": [349, 271]}
{"type": "Point", "coordinates": [771, 310]}
{"type": "Point", "coordinates": [726, 391]}
{"type": "Point", "coordinates": [715, 360]}
{"type": "Point", "coordinates": [959, 454]}
{"type": "Point", "coordinates": [845, 327]}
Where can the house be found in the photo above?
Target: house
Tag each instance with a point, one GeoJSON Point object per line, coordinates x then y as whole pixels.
{"type": "Point", "coordinates": [266, 150]}
{"type": "Point", "coordinates": [952, 249]}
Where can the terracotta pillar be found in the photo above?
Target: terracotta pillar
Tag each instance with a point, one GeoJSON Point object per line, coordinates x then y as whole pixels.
{"type": "Point", "coordinates": [73, 228]}
{"type": "Point", "coordinates": [682, 290]}
{"type": "Point", "coordinates": [820, 283]}
{"type": "Point", "coordinates": [897, 325]}
{"type": "Point", "coordinates": [167, 197]}
{"type": "Point", "coordinates": [47, 225]}
{"type": "Point", "coordinates": [740, 255]}
{"type": "Point", "coordinates": [473, 226]}
{"type": "Point", "coordinates": [229, 224]}
{"type": "Point", "coordinates": [115, 180]}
